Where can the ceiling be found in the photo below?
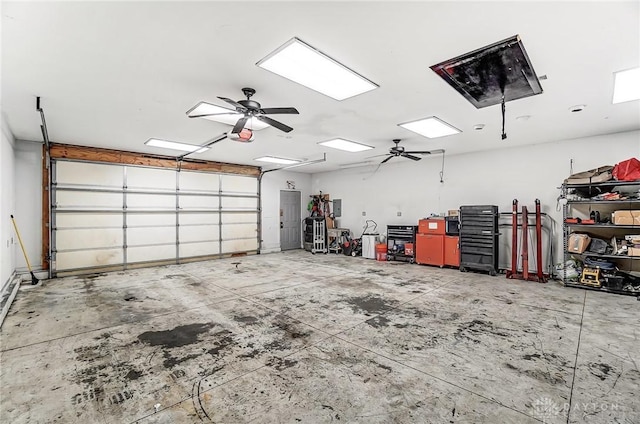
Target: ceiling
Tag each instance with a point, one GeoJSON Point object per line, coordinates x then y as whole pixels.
{"type": "Point", "coordinates": [114, 74]}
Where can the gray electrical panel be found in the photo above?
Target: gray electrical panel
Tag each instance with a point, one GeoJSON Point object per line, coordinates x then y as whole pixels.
{"type": "Point", "coordinates": [337, 208]}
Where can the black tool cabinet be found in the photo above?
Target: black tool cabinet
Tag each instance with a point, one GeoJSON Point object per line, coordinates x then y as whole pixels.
{"type": "Point", "coordinates": [479, 238]}
{"type": "Point", "coordinates": [397, 237]}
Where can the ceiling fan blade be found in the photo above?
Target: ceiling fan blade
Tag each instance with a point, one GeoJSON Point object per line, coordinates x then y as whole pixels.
{"type": "Point", "coordinates": [232, 102]}
{"type": "Point", "coordinates": [213, 114]}
{"type": "Point", "coordinates": [387, 159]}
{"type": "Point", "coordinates": [276, 110]}
{"type": "Point", "coordinates": [239, 125]}
{"type": "Point", "coordinates": [426, 152]}
{"type": "Point", "coordinates": [274, 123]}
{"type": "Point", "coordinates": [408, 156]}
{"type": "Point", "coordinates": [377, 156]}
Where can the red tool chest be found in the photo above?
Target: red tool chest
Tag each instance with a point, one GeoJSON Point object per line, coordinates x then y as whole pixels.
{"type": "Point", "coordinates": [452, 251]}
{"type": "Point", "coordinates": [433, 247]}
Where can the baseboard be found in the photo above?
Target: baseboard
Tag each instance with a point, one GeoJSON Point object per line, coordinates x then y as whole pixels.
{"type": "Point", "coordinates": [271, 250]}
{"type": "Point", "coordinates": [9, 291]}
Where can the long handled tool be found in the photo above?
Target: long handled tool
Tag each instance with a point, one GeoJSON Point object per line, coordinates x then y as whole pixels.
{"type": "Point", "coordinates": [34, 280]}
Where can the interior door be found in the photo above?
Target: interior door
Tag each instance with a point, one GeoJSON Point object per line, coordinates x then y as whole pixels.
{"type": "Point", "coordinates": [290, 220]}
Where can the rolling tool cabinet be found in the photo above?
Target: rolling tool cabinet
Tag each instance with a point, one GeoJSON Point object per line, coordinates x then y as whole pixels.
{"type": "Point", "coordinates": [479, 238]}
{"type": "Point", "coordinates": [401, 240]}
{"type": "Point", "coordinates": [433, 244]}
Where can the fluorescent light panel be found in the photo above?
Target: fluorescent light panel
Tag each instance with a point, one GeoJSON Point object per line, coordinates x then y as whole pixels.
{"type": "Point", "coordinates": [174, 145]}
{"type": "Point", "coordinates": [431, 127]}
{"type": "Point", "coordinates": [626, 86]}
{"type": "Point", "coordinates": [301, 63]}
{"type": "Point", "coordinates": [274, 159]}
{"type": "Point", "coordinates": [204, 108]}
{"type": "Point", "coordinates": [346, 145]}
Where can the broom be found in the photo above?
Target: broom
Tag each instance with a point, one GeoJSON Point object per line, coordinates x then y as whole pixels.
{"type": "Point", "coordinates": [34, 280]}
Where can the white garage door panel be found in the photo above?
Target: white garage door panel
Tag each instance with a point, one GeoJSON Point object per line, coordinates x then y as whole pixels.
{"type": "Point", "coordinates": [87, 219]}
{"type": "Point", "coordinates": [151, 201]}
{"type": "Point", "coordinates": [239, 203]}
{"type": "Point", "coordinates": [198, 218]}
{"type": "Point", "coordinates": [237, 184]}
{"type": "Point", "coordinates": [151, 219]}
{"type": "Point", "coordinates": [240, 218]}
{"type": "Point", "coordinates": [231, 246]}
{"type": "Point", "coordinates": [151, 253]}
{"type": "Point", "coordinates": [66, 199]}
{"type": "Point", "coordinates": [151, 235]}
{"type": "Point", "coordinates": [199, 181]}
{"type": "Point", "coordinates": [89, 174]}
{"type": "Point", "coordinates": [92, 201]}
{"type": "Point", "coordinates": [199, 202]}
{"type": "Point", "coordinates": [233, 231]}
{"type": "Point", "coordinates": [88, 259]}
{"type": "Point", "coordinates": [149, 178]}
{"type": "Point", "coordinates": [199, 249]}
{"type": "Point", "coordinates": [89, 238]}
{"type": "Point", "coordinates": [199, 233]}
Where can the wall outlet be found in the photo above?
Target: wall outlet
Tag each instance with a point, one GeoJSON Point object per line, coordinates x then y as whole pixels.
{"type": "Point", "coordinates": [364, 213]}
{"type": "Point", "coordinates": [399, 213]}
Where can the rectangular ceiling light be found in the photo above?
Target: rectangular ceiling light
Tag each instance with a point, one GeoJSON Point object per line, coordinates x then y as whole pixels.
{"type": "Point", "coordinates": [229, 116]}
{"type": "Point", "coordinates": [174, 145]}
{"type": "Point", "coordinates": [431, 127]}
{"type": "Point", "coordinates": [626, 86]}
{"type": "Point", "coordinates": [274, 159]}
{"type": "Point", "coordinates": [301, 63]}
{"type": "Point", "coordinates": [346, 145]}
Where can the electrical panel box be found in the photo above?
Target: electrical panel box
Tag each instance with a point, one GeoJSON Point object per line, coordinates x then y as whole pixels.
{"type": "Point", "coordinates": [337, 208]}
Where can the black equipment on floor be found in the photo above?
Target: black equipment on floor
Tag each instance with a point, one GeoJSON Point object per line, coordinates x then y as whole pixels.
{"type": "Point", "coordinates": [401, 242]}
{"type": "Point", "coordinates": [479, 238]}
{"type": "Point", "coordinates": [308, 232]}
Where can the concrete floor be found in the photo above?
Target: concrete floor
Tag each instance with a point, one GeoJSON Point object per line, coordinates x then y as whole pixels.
{"type": "Point", "coordinates": [295, 337]}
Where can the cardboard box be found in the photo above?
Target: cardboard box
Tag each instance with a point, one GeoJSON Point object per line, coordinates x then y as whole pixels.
{"type": "Point", "coordinates": [453, 212]}
{"type": "Point", "coordinates": [330, 223]}
{"type": "Point", "coordinates": [578, 243]}
{"type": "Point", "coordinates": [626, 217]}
{"type": "Point", "coordinates": [633, 251]}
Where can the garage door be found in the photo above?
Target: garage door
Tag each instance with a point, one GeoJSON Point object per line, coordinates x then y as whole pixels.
{"type": "Point", "coordinates": [108, 215]}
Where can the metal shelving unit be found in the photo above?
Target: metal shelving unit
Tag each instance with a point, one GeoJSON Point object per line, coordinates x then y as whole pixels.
{"type": "Point", "coordinates": [577, 207]}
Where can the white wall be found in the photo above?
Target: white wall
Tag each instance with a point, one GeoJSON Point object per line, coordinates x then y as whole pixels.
{"type": "Point", "coordinates": [491, 177]}
{"type": "Point", "coordinates": [28, 203]}
{"type": "Point", "coordinates": [272, 183]}
{"type": "Point", "coordinates": [7, 203]}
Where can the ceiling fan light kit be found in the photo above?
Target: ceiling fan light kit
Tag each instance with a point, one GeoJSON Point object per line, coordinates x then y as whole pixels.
{"type": "Point", "coordinates": [301, 63]}
{"type": "Point", "coordinates": [244, 111]}
{"type": "Point", "coordinates": [399, 151]}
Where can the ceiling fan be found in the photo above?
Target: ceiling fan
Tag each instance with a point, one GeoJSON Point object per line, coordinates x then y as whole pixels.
{"type": "Point", "coordinates": [249, 109]}
{"type": "Point", "coordinates": [397, 150]}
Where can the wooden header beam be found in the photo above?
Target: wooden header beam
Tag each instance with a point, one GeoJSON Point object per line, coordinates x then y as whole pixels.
{"type": "Point", "coordinates": [95, 154]}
